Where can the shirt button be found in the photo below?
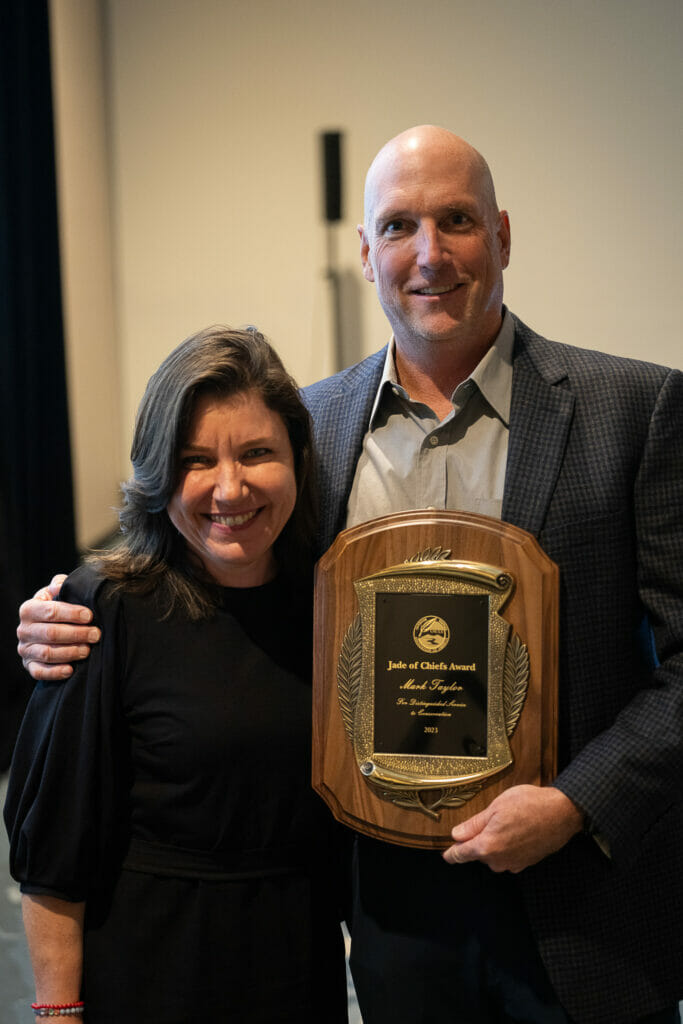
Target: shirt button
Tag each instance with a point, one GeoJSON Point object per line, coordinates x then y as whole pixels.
{"type": "Point", "coordinates": [433, 440]}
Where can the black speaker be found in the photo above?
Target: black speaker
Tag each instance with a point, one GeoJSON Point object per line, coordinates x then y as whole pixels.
{"type": "Point", "coordinates": [332, 175]}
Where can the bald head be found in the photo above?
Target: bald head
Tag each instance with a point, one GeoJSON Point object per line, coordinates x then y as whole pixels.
{"type": "Point", "coordinates": [419, 147]}
{"type": "Point", "coordinates": [434, 242]}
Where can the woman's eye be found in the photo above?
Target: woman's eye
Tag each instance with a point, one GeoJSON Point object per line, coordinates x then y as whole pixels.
{"type": "Point", "coordinates": [257, 453]}
{"type": "Point", "coordinates": [193, 461]}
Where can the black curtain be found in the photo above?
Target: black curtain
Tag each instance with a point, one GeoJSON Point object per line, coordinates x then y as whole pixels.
{"type": "Point", "coordinates": [36, 499]}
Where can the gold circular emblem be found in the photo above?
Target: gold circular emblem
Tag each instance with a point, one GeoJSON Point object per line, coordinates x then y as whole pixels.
{"type": "Point", "coordinates": [431, 634]}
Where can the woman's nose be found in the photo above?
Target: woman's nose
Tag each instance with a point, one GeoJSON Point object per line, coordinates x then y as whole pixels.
{"type": "Point", "coordinates": [229, 482]}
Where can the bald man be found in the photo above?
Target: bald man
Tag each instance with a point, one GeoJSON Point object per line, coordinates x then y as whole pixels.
{"type": "Point", "coordinates": [560, 903]}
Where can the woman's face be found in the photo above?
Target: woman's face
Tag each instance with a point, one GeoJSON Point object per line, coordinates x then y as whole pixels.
{"type": "Point", "coordinates": [237, 487]}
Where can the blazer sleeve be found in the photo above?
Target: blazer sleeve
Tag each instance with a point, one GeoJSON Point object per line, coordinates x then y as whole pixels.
{"type": "Point", "coordinates": [66, 803]}
{"type": "Point", "coordinates": [629, 778]}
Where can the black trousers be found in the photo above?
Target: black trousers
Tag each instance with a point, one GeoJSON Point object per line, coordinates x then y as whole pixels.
{"type": "Point", "coordinates": [446, 949]}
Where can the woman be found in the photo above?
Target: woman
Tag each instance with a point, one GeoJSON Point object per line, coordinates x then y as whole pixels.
{"type": "Point", "coordinates": [174, 863]}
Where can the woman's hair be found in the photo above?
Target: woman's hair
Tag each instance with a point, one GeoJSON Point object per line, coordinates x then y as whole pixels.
{"type": "Point", "coordinates": [151, 554]}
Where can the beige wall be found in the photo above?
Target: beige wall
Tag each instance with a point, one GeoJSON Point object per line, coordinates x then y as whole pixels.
{"type": "Point", "coordinates": [215, 106]}
{"type": "Point", "coordinates": [87, 257]}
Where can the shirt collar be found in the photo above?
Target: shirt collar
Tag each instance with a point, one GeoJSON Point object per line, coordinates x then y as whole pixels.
{"type": "Point", "coordinates": [492, 375]}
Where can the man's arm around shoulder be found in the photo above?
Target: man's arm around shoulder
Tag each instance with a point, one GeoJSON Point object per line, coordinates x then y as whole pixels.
{"type": "Point", "coordinates": [53, 633]}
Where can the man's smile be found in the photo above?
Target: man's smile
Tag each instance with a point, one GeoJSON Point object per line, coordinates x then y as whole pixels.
{"type": "Point", "coordinates": [443, 290]}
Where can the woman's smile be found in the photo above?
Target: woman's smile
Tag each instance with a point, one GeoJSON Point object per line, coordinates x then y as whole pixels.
{"type": "Point", "coordinates": [237, 487]}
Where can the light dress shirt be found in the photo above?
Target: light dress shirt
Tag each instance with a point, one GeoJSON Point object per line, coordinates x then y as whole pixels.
{"type": "Point", "coordinates": [412, 460]}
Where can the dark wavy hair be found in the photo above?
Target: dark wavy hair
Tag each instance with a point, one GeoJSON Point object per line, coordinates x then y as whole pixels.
{"type": "Point", "coordinates": [151, 554]}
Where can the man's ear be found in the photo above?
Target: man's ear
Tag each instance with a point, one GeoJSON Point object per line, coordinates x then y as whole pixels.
{"type": "Point", "coordinates": [504, 238]}
{"type": "Point", "coordinates": [364, 254]}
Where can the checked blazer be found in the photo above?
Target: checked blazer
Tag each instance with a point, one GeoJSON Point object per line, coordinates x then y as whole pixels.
{"type": "Point", "coordinates": [595, 473]}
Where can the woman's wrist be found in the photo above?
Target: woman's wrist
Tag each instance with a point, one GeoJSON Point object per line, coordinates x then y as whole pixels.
{"type": "Point", "coordinates": [58, 1009]}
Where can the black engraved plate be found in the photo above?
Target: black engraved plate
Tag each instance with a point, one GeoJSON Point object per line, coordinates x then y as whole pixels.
{"type": "Point", "coordinates": [431, 674]}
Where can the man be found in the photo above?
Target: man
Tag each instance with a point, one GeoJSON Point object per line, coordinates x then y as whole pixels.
{"type": "Point", "coordinates": [558, 903]}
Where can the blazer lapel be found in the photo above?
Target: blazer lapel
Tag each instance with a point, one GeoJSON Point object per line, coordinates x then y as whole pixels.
{"type": "Point", "coordinates": [541, 412]}
{"type": "Point", "coordinates": [340, 422]}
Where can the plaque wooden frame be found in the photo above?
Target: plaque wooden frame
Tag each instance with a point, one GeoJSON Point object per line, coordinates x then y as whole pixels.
{"type": "Point", "coordinates": [530, 609]}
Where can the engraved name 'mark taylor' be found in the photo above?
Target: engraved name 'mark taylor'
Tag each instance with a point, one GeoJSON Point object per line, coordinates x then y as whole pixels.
{"type": "Point", "coordinates": [427, 713]}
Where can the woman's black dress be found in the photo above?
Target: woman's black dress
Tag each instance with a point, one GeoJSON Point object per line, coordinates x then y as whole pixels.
{"type": "Point", "coordinates": [167, 783]}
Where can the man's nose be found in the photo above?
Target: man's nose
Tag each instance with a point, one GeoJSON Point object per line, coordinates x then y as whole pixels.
{"type": "Point", "coordinates": [430, 246]}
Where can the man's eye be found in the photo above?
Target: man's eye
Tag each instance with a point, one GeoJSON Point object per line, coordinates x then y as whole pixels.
{"type": "Point", "coordinates": [458, 219]}
{"type": "Point", "coordinates": [394, 225]}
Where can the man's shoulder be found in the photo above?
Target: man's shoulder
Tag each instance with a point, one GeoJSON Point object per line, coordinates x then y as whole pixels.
{"type": "Point", "coordinates": [556, 359]}
{"type": "Point", "coordinates": [360, 375]}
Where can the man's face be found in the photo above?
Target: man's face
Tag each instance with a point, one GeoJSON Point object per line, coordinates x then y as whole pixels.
{"type": "Point", "coordinates": [434, 244]}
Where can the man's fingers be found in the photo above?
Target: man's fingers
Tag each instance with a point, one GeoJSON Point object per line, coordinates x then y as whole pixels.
{"type": "Point", "coordinates": [53, 654]}
{"type": "Point", "coordinates": [51, 591]}
{"type": "Point", "coordinates": [471, 827]}
{"type": "Point", "coordinates": [47, 673]}
{"type": "Point", "coordinates": [455, 854]}
{"type": "Point", "coordinates": [51, 663]}
{"type": "Point", "coordinates": [56, 633]}
{"type": "Point", "coordinates": [482, 850]}
{"type": "Point", "coordinates": [44, 609]}
{"type": "Point", "coordinates": [465, 834]}
{"type": "Point", "coordinates": [52, 634]}
{"type": "Point", "coordinates": [55, 585]}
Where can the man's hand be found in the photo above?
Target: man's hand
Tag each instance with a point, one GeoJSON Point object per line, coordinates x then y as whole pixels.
{"type": "Point", "coordinates": [521, 826]}
{"type": "Point", "coordinates": [52, 634]}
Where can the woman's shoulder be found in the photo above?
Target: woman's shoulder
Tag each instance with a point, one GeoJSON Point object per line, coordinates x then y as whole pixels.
{"type": "Point", "coordinates": [115, 599]}
{"type": "Point", "coordinates": [87, 585]}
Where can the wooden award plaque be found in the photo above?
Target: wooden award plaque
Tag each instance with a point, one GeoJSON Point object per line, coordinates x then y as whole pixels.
{"type": "Point", "coordinates": [434, 672]}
